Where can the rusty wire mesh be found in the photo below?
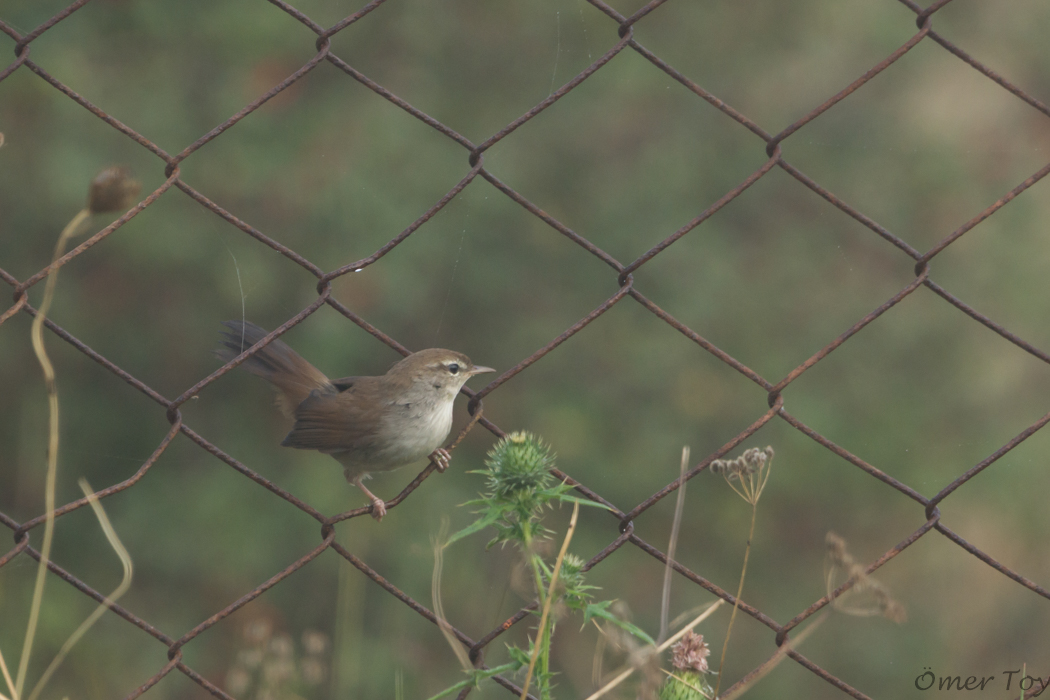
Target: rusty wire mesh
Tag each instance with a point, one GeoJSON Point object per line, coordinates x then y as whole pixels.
{"type": "Point", "coordinates": [621, 528]}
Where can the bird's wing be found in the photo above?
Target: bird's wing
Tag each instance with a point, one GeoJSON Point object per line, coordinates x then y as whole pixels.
{"type": "Point", "coordinates": [346, 421]}
{"type": "Point", "coordinates": [344, 383]}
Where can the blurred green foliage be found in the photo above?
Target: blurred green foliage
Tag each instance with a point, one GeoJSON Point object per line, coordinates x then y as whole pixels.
{"type": "Point", "coordinates": [333, 171]}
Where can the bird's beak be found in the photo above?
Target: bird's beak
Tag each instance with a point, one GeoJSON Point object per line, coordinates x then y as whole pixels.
{"type": "Point", "coordinates": [480, 370]}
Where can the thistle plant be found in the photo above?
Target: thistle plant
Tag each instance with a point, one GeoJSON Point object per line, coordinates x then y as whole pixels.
{"type": "Point", "coordinates": [688, 681]}
{"type": "Point", "coordinates": [520, 488]}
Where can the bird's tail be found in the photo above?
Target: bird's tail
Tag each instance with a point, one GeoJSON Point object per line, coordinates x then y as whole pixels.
{"type": "Point", "coordinates": [292, 376]}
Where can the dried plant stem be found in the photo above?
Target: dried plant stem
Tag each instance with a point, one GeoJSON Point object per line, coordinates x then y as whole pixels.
{"type": "Point", "coordinates": [543, 639]}
{"type": "Point", "coordinates": [678, 635]}
{"type": "Point", "coordinates": [739, 591]}
{"type": "Point", "coordinates": [438, 544]}
{"type": "Point", "coordinates": [769, 664]}
{"type": "Point", "coordinates": [7, 678]}
{"type": "Point", "coordinates": [125, 584]}
{"type": "Point", "coordinates": [679, 506]}
{"type": "Point", "coordinates": [37, 336]}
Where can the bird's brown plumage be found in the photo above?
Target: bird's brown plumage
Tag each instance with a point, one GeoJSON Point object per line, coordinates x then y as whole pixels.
{"type": "Point", "coordinates": [368, 424]}
{"type": "Point", "coordinates": [292, 376]}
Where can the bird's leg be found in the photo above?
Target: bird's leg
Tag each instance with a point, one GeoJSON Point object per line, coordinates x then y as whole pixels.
{"type": "Point", "coordinates": [378, 506]}
{"type": "Point", "coordinates": [441, 458]}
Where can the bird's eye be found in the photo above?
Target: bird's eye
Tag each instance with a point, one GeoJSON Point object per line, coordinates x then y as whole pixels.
{"type": "Point", "coordinates": [453, 368]}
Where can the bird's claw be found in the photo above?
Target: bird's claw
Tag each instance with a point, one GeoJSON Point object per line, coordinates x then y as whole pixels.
{"type": "Point", "coordinates": [441, 458]}
{"type": "Point", "coordinates": [378, 508]}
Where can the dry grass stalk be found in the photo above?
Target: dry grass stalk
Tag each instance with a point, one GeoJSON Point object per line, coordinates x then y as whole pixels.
{"type": "Point", "coordinates": [679, 507]}
{"type": "Point", "coordinates": [550, 598]}
{"type": "Point", "coordinates": [121, 589]}
{"type": "Point", "coordinates": [438, 544]}
{"type": "Point", "coordinates": [748, 681]}
{"type": "Point", "coordinates": [110, 190]}
{"type": "Point", "coordinates": [678, 635]}
{"type": "Point", "coordinates": [37, 337]}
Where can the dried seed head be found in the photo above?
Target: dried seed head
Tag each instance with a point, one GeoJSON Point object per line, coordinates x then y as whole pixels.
{"type": "Point", "coordinates": [690, 653]}
{"type": "Point", "coordinates": [750, 470]}
{"type": "Point", "coordinates": [250, 658]}
{"type": "Point", "coordinates": [836, 550]}
{"type": "Point", "coordinates": [867, 596]}
{"type": "Point", "coordinates": [894, 611]}
{"type": "Point", "coordinates": [113, 189]}
{"type": "Point", "coordinates": [258, 631]}
{"type": "Point", "coordinates": [281, 646]}
{"type": "Point", "coordinates": [315, 642]}
{"type": "Point", "coordinates": [278, 670]}
{"type": "Point", "coordinates": [238, 680]}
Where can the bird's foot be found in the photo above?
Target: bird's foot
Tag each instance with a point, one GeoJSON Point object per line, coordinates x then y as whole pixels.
{"type": "Point", "coordinates": [378, 505]}
{"type": "Point", "coordinates": [441, 458]}
{"type": "Point", "coordinates": [378, 508]}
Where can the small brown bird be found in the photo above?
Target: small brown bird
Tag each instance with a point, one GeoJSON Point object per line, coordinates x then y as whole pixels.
{"type": "Point", "coordinates": [368, 424]}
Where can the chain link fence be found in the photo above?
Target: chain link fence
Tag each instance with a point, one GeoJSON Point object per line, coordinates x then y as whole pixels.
{"type": "Point", "coordinates": [621, 528]}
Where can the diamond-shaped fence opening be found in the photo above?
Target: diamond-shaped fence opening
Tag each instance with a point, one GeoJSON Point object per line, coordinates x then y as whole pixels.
{"type": "Point", "coordinates": [646, 265]}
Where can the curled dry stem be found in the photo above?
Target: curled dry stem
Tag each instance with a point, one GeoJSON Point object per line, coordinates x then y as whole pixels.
{"type": "Point", "coordinates": [438, 544]}
{"type": "Point", "coordinates": [37, 336]}
{"type": "Point", "coordinates": [121, 589]}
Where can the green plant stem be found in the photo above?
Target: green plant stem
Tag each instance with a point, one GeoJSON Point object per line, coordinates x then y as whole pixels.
{"type": "Point", "coordinates": [476, 677]}
{"type": "Point", "coordinates": [660, 648]}
{"type": "Point", "coordinates": [739, 591]}
{"type": "Point", "coordinates": [544, 660]}
{"type": "Point", "coordinates": [37, 336]}
{"type": "Point", "coordinates": [543, 639]}
{"type": "Point", "coordinates": [537, 577]}
{"type": "Point", "coordinates": [745, 683]}
{"type": "Point", "coordinates": [541, 651]}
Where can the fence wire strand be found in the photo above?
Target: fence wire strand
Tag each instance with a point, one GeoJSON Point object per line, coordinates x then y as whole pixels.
{"type": "Point", "coordinates": [622, 524]}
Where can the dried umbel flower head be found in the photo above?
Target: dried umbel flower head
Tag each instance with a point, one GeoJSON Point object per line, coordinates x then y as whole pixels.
{"type": "Point", "coordinates": [312, 667]}
{"type": "Point", "coordinates": [750, 470]}
{"type": "Point", "coordinates": [315, 642]}
{"type": "Point", "coordinates": [752, 461]}
{"type": "Point", "coordinates": [258, 631]}
{"type": "Point", "coordinates": [690, 653]}
{"type": "Point", "coordinates": [271, 668]}
{"type": "Point", "coordinates": [112, 190]}
{"type": "Point", "coordinates": [867, 596]}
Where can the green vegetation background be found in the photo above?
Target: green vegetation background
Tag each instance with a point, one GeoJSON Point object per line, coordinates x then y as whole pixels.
{"type": "Point", "coordinates": [333, 171]}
